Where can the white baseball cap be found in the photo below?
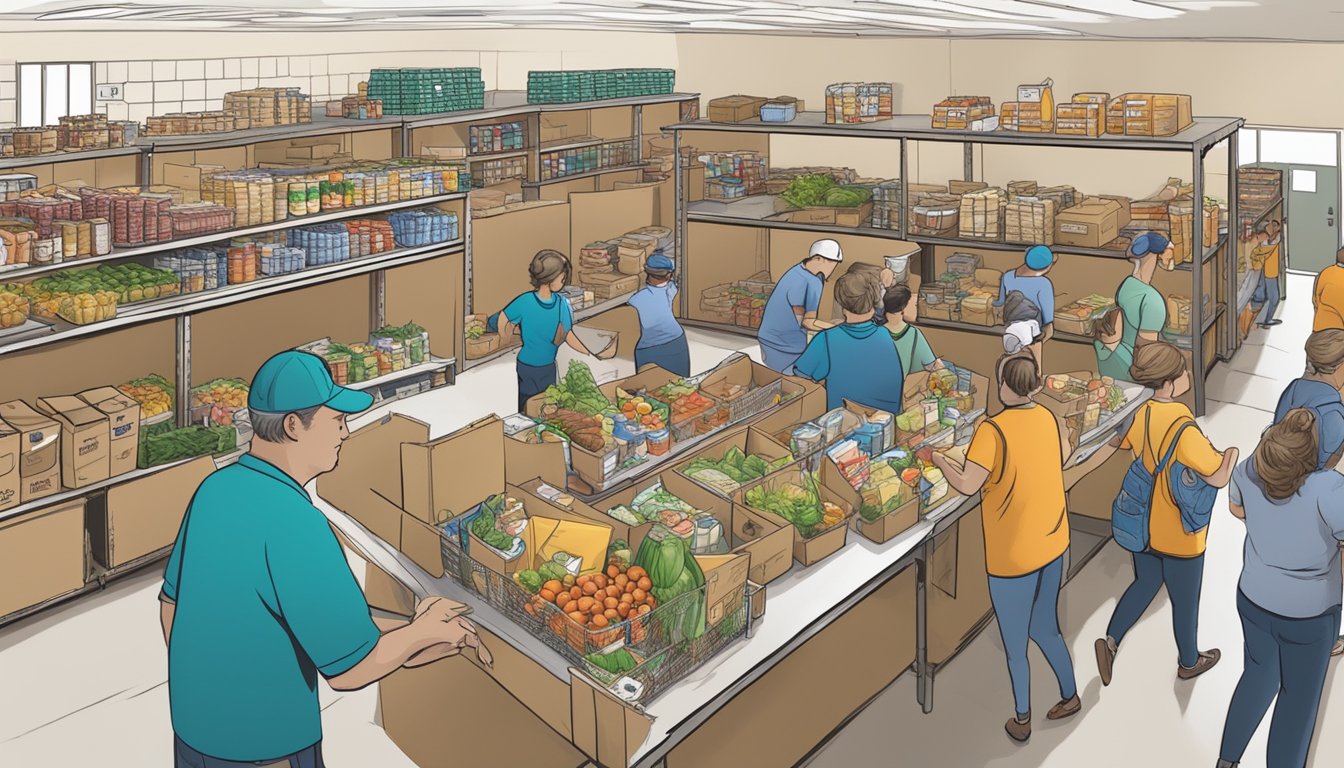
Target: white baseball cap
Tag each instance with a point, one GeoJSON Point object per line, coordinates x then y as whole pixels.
{"type": "Point", "coordinates": [827, 249]}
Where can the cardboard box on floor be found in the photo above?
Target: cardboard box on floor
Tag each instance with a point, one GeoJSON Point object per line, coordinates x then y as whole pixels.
{"type": "Point", "coordinates": [123, 423]}
{"type": "Point", "coordinates": [10, 482]}
{"type": "Point", "coordinates": [84, 440]}
{"type": "Point", "coordinates": [39, 450]}
{"type": "Point", "coordinates": [400, 485]}
{"type": "Point", "coordinates": [142, 516]}
{"type": "Point", "coordinates": [43, 555]}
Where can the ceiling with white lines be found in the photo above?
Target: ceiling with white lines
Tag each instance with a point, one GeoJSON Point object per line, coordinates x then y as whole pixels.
{"type": "Point", "coordinates": [1309, 20]}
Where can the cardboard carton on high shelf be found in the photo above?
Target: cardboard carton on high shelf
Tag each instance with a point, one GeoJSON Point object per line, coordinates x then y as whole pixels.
{"type": "Point", "coordinates": [85, 438]}
{"type": "Point", "coordinates": [10, 483]}
{"type": "Point", "coordinates": [1092, 223]}
{"type": "Point", "coordinates": [123, 419]}
{"type": "Point", "coordinates": [1149, 114]}
{"type": "Point", "coordinates": [39, 450]}
{"type": "Point", "coordinates": [961, 187]}
{"type": "Point", "coordinates": [143, 515]}
{"type": "Point", "coordinates": [42, 556]}
{"type": "Point", "coordinates": [735, 109]}
{"type": "Point", "coordinates": [401, 485]}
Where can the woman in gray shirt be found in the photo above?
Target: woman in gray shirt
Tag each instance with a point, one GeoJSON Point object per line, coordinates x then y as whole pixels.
{"type": "Point", "coordinates": [1289, 593]}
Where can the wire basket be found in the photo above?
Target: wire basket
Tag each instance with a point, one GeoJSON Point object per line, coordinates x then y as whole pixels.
{"type": "Point", "coordinates": [752, 402]}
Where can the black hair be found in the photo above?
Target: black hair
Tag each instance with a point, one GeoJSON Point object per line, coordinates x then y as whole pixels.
{"type": "Point", "coordinates": [896, 299]}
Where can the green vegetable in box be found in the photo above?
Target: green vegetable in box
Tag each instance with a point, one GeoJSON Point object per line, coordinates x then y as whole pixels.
{"type": "Point", "coordinates": [186, 443]}
{"type": "Point", "coordinates": [131, 282]}
{"type": "Point", "coordinates": [529, 580]}
{"type": "Point", "coordinates": [483, 525]}
{"type": "Point", "coordinates": [799, 502]}
{"type": "Point", "coordinates": [736, 466]}
{"type": "Point", "coordinates": [578, 391]}
{"type": "Point", "coordinates": [808, 191]}
{"type": "Point", "coordinates": [674, 572]}
{"type": "Point", "coordinates": [549, 571]}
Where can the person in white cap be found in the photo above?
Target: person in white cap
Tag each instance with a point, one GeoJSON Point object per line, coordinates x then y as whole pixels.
{"type": "Point", "coordinates": [792, 308]}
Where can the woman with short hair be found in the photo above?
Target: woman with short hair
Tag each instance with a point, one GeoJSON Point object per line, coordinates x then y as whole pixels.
{"type": "Point", "coordinates": [1289, 592]}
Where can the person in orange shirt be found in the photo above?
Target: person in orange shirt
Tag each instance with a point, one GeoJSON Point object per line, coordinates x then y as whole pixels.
{"type": "Point", "coordinates": [1175, 556]}
{"type": "Point", "coordinates": [1267, 254]}
{"type": "Point", "coordinates": [1010, 461]}
{"type": "Point", "coordinates": [1328, 296]}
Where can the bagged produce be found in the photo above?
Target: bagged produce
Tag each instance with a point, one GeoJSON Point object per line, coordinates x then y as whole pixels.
{"type": "Point", "coordinates": [186, 443]}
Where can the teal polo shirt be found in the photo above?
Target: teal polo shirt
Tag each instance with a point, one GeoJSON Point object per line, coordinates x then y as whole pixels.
{"type": "Point", "coordinates": [265, 602]}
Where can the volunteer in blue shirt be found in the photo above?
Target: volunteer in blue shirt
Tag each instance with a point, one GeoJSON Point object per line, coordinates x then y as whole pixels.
{"type": "Point", "coordinates": [792, 308]}
{"type": "Point", "coordinates": [1031, 281]}
{"type": "Point", "coordinates": [857, 360]}
{"type": "Point", "coordinates": [258, 599]}
{"type": "Point", "coordinates": [1318, 391]}
{"type": "Point", "coordinates": [662, 341]}
{"type": "Point", "coordinates": [545, 321]}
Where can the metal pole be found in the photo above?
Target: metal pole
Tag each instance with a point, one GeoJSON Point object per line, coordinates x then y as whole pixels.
{"type": "Point", "coordinates": [377, 299]}
{"type": "Point", "coordinates": [968, 161]}
{"type": "Point", "coordinates": [145, 168]}
{"type": "Point", "coordinates": [1197, 313]}
{"type": "Point", "coordinates": [637, 131]}
{"type": "Point", "coordinates": [1227, 260]}
{"type": "Point", "coordinates": [183, 399]}
{"type": "Point", "coordinates": [905, 191]}
{"type": "Point", "coordinates": [923, 681]}
{"type": "Point", "coordinates": [679, 197]}
{"type": "Point", "coordinates": [468, 256]}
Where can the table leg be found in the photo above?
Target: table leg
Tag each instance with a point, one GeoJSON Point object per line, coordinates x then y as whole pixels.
{"type": "Point", "coordinates": [923, 673]}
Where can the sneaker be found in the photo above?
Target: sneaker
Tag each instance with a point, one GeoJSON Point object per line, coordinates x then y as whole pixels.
{"type": "Point", "coordinates": [1339, 647]}
{"type": "Point", "coordinates": [1207, 660]}
{"type": "Point", "coordinates": [1018, 730]}
{"type": "Point", "coordinates": [1269, 323]}
{"type": "Point", "coordinates": [1225, 764]}
{"type": "Point", "coordinates": [1106, 649]}
{"type": "Point", "coordinates": [1065, 709]}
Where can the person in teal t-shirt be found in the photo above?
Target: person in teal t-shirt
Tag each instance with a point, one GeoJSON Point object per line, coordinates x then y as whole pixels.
{"type": "Point", "coordinates": [1145, 311]}
{"type": "Point", "coordinates": [857, 360]}
{"type": "Point", "coordinates": [545, 321]}
{"type": "Point", "coordinates": [258, 599]}
{"type": "Point", "coordinates": [1113, 357]}
{"type": "Point", "coordinates": [911, 344]}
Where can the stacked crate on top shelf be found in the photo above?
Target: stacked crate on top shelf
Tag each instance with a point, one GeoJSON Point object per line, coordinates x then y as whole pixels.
{"type": "Point", "coordinates": [573, 86]}
{"type": "Point", "coordinates": [411, 91]}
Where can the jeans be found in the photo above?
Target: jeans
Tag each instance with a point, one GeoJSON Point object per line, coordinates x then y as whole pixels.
{"type": "Point", "coordinates": [1284, 657]}
{"type": "Point", "coordinates": [1184, 577]}
{"type": "Point", "coordinates": [674, 356]}
{"type": "Point", "coordinates": [1027, 607]}
{"type": "Point", "coordinates": [532, 381]}
{"type": "Point", "coordinates": [186, 757]}
{"type": "Point", "coordinates": [1267, 293]}
{"type": "Point", "coordinates": [778, 360]}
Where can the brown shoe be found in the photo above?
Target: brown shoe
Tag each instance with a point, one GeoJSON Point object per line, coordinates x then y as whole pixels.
{"type": "Point", "coordinates": [1017, 730]}
{"type": "Point", "coordinates": [1065, 709]}
{"type": "Point", "coordinates": [1339, 647]}
{"type": "Point", "coordinates": [1207, 660]}
{"type": "Point", "coordinates": [1105, 659]}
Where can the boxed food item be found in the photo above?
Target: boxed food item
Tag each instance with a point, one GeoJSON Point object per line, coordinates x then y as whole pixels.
{"type": "Point", "coordinates": [1149, 114]}
{"type": "Point", "coordinates": [42, 556]}
{"type": "Point", "coordinates": [957, 113]}
{"type": "Point", "coordinates": [886, 504]}
{"type": "Point", "coordinates": [1092, 223]}
{"type": "Point", "coordinates": [1092, 98]}
{"type": "Point", "coordinates": [1079, 317]}
{"type": "Point", "coordinates": [797, 498]}
{"type": "Point", "coordinates": [982, 215]}
{"type": "Point", "coordinates": [735, 109]}
{"type": "Point", "coordinates": [123, 419]}
{"type": "Point", "coordinates": [85, 449]}
{"type": "Point", "coordinates": [858, 102]}
{"type": "Point", "coordinates": [1026, 117]}
{"type": "Point", "coordinates": [1080, 119]}
{"type": "Point", "coordinates": [1029, 220]}
{"type": "Point", "coordinates": [935, 215]}
{"type": "Point", "coordinates": [963, 187]}
{"type": "Point", "coordinates": [776, 111]}
{"type": "Point", "coordinates": [39, 450]}
{"type": "Point", "coordinates": [607, 285]}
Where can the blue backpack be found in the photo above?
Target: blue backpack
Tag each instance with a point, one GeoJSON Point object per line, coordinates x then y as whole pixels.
{"type": "Point", "coordinates": [1132, 510]}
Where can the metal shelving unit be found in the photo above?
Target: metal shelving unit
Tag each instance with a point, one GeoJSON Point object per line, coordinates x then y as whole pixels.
{"type": "Point", "coordinates": [1196, 141]}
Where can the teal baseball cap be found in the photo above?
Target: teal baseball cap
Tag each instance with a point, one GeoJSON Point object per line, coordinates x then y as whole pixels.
{"type": "Point", "coordinates": [1039, 257]}
{"type": "Point", "coordinates": [296, 381]}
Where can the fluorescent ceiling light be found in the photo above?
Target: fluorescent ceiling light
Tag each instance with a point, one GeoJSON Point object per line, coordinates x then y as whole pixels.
{"type": "Point", "coordinates": [92, 12]}
{"type": "Point", "coordinates": [1133, 9]}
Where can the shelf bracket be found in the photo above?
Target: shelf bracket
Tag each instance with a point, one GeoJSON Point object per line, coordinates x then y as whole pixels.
{"type": "Point", "coordinates": [377, 299]}
{"type": "Point", "coordinates": [182, 402]}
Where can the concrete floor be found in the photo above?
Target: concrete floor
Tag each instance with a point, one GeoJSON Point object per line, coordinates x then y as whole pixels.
{"type": "Point", "coordinates": [86, 682]}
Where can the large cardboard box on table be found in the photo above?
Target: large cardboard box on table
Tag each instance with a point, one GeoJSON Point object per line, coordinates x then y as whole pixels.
{"type": "Point", "coordinates": [123, 424]}
{"type": "Point", "coordinates": [882, 529]}
{"type": "Point", "coordinates": [84, 440]}
{"type": "Point", "coordinates": [39, 450]}
{"type": "Point", "coordinates": [10, 481]}
{"type": "Point", "coordinates": [43, 555]}
{"type": "Point", "coordinates": [1092, 223]}
{"type": "Point", "coordinates": [143, 516]}
{"type": "Point", "coordinates": [822, 544]}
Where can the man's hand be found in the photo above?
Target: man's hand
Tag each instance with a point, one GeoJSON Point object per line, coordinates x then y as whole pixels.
{"type": "Point", "coordinates": [440, 619]}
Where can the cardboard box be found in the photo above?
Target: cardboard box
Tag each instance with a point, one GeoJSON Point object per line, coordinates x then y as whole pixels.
{"type": "Point", "coordinates": [368, 482]}
{"type": "Point", "coordinates": [11, 485]}
{"type": "Point", "coordinates": [609, 285]}
{"type": "Point", "coordinates": [142, 517]}
{"type": "Point", "coordinates": [42, 556]}
{"type": "Point", "coordinates": [188, 178]}
{"type": "Point", "coordinates": [807, 551]}
{"type": "Point", "coordinates": [881, 530]}
{"type": "Point", "coordinates": [39, 450]}
{"type": "Point", "coordinates": [123, 419]}
{"type": "Point", "coordinates": [312, 152]}
{"type": "Point", "coordinates": [1091, 224]}
{"type": "Point", "coordinates": [735, 109]}
{"type": "Point", "coordinates": [85, 439]}
{"type": "Point", "coordinates": [751, 440]}
{"type": "Point", "coordinates": [961, 187]}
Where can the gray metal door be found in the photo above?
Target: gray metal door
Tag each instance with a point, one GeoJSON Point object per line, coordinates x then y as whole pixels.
{"type": "Point", "coordinates": [1311, 229]}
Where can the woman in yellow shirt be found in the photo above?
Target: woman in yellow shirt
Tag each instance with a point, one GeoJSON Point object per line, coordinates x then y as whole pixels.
{"type": "Point", "coordinates": [1175, 557]}
{"type": "Point", "coordinates": [1010, 462]}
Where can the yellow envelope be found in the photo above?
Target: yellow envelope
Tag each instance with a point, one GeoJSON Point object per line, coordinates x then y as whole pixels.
{"type": "Point", "coordinates": [544, 537]}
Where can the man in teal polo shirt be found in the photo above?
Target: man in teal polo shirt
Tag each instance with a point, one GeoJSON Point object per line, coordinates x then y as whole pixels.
{"type": "Point", "coordinates": [258, 599]}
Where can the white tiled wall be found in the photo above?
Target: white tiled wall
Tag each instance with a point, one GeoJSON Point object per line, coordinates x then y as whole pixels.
{"type": "Point", "coordinates": [159, 87]}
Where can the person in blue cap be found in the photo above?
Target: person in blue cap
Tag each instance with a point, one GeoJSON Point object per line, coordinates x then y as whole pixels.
{"type": "Point", "coordinates": [545, 320]}
{"type": "Point", "coordinates": [1031, 282]}
{"type": "Point", "coordinates": [857, 360]}
{"type": "Point", "coordinates": [258, 599]}
{"type": "Point", "coordinates": [1143, 307]}
{"type": "Point", "coordinates": [662, 341]}
{"type": "Point", "coordinates": [791, 310]}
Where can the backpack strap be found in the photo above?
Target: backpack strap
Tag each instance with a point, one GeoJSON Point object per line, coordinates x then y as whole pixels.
{"type": "Point", "coordinates": [1171, 448]}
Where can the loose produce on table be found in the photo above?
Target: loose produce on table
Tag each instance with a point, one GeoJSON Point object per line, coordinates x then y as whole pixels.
{"type": "Point", "coordinates": [216, 401]}
{"type": "Point", "coordinates": [186, 443]}
{"type": "Point", "coordinates": [798, 502]}
{"type": "Point", "coordinates": [734, 470]}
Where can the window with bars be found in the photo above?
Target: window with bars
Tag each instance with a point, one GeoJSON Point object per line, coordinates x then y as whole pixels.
{"type": "Point", "coordinates": [50, 91]}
